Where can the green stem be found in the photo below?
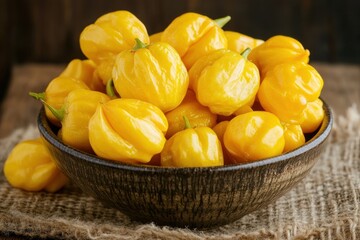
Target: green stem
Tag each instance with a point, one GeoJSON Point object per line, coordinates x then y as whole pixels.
{"type": "Point", "coordinates": [139, 44]}
{"type": "Point", "coordinates": [222, 21]}
{"type": "Point", "coordinates": [110, 91]}
{"type": "Point", "coordinates": [245, 53]}
{"type": "Point", "coordinates": [187, 122]}
{"type": "Point", "coordinates": [37, 96]}
{"type": "Point", "coordinates": [58, 113]}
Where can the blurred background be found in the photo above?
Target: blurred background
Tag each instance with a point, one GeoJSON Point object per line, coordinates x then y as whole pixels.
{"type": "Point", "coordinates": [48, 31]}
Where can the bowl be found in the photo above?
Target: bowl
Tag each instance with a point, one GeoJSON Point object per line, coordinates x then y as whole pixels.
{"type": "Point", "coordinates": [186, 197]}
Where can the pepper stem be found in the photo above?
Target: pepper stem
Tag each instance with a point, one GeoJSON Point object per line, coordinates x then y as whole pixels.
{"type": "Point", "coordinates": [37, 96]}
{"type": "Point", "coordinates": [222, 21]}
{"type": "Point", "coordinates": [58, 113]}
{"type": "Point", "coordinates": [110, 91]}
{"type": "Point", "coordinates": [245, 53]}
{"type": "Point", "coordinates": [187, 122]}
{"type": "Point", "coordinates": [139, 44]}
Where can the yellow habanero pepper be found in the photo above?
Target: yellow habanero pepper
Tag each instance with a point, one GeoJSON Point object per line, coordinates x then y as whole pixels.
{"type": "Point", "coordinates": [104, 69]}
{"type": "Point", "coordinates": [127, 130]}
{"type": "Point", "coordinates": [286, 90]}
{"type": "Point", "coordinates": [194, 35]}
{"type": "Point", "coordinates": [278, 49]}
{"type": "Point", "coordinates": [156, 37]}
{"type": "Point", "coordinates": [153, 73]}
{"type": "Point", "coordinates": [238, 42]}
{"type": "Point", "coordinates": [111, 34]}
{"type": "Point", "coordinates": [31, 167]}
{"type": "Point", "coordinates": [84, 70]}
{"type": "Point", "coordinates": [246, 108]}
{"type": "Point", "coordinates": [294, 137]}
{"type": "Point", "coordinates": [253, 136]}
{"type": "Point", "coordinates": [224, 81]}
{"type": "Point", "coordinates": [197, 114]}
{"type": "Point", "coordinates": [313, 116]}
{"type": "Point", "coordinates": [78, 108]}
{"type": "Point", "coordinates": [56, 92]}
{"type": "Point", "coordinates": [192, 147]}
{"type": "Point", "coordinates": [220, 129]}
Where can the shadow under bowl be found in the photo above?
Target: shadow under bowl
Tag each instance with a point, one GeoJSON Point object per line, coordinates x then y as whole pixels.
{"type": "Point", "coordinates": [186, 197]}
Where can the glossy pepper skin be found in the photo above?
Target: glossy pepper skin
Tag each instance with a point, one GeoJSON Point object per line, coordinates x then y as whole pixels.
{"type": "Point", "coordinates": [224, 81]}
{"type": "Point", "coordinates": [194, 35]}
{"type": "Point", "coordinates": [312, 116]}
{"type": "Point", "coordinates": [294, 137]}
{"type": "Point", "coordinates": [127, 130]}
{"type": "Point", "coordinates": [104, 69]}
{"type": "Point", "coordinates": [193, 147]}
{"type": "Point", "coordinates": [156, 37]}
{"type": "Point", "coordinates": [254, 136]}
{"type": "Point", "coordinates": [220, 129]}
{"type": "Point", "coordinates": [197, 114]}
{"type": "Point", "coordinates": [56, 93]}
{"type": "Point", "coordinates": [276, 50]}
{"type": "Point", "coordinates": [153, 73]}
{"type": "Point", "coordinates": [111, 34]}
{"type": "Point", "coordinates": [286, 90]}
{"type": "Point", "coordinates": [84, 70]}
{"type": "Point", "coordinates": [238, 42]}
{"type": "Point", "coordinates": [31, 167]}
{"type": "Point", "coordinates": [75, 114]}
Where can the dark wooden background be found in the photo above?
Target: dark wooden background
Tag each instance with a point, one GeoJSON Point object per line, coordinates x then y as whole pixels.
{"type": "Point", "coordinates": [48, 31]}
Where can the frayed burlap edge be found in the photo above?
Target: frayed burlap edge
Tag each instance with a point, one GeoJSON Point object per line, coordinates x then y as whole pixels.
{"type": "Point", "coordinates": [22, 224]}
{"type": "Point", "coordinates": [39, 227]}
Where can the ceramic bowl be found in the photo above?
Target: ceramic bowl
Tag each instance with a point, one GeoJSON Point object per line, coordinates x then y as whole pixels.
{"type": "Point", "coordinates": [186, 197]}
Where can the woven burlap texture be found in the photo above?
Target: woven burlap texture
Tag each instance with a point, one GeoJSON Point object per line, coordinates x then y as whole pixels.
{"type": "Point", "coordinates": [325, 205]}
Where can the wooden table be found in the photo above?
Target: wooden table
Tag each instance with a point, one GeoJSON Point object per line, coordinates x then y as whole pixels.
{"type": "Point", "coordinates": [18, 109]}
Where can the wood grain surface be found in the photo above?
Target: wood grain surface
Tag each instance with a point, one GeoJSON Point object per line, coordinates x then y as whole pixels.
{"type": "Point", "coordinates": [18, 109]}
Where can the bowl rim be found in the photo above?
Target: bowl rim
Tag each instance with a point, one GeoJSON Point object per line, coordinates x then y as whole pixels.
{"type": "Point", "coordinates": [322, 133]}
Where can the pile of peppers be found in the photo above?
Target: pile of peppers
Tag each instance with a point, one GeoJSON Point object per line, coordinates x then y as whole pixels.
{"type": "Point", "coordinates": [192, 95]}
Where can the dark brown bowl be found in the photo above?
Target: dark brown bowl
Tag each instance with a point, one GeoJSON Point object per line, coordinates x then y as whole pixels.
{"type": "Point", "coordinates": [186, 197]}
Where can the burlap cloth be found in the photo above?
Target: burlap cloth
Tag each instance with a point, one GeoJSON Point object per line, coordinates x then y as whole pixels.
{"type": "Point", "coordinates": [325, 205]}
